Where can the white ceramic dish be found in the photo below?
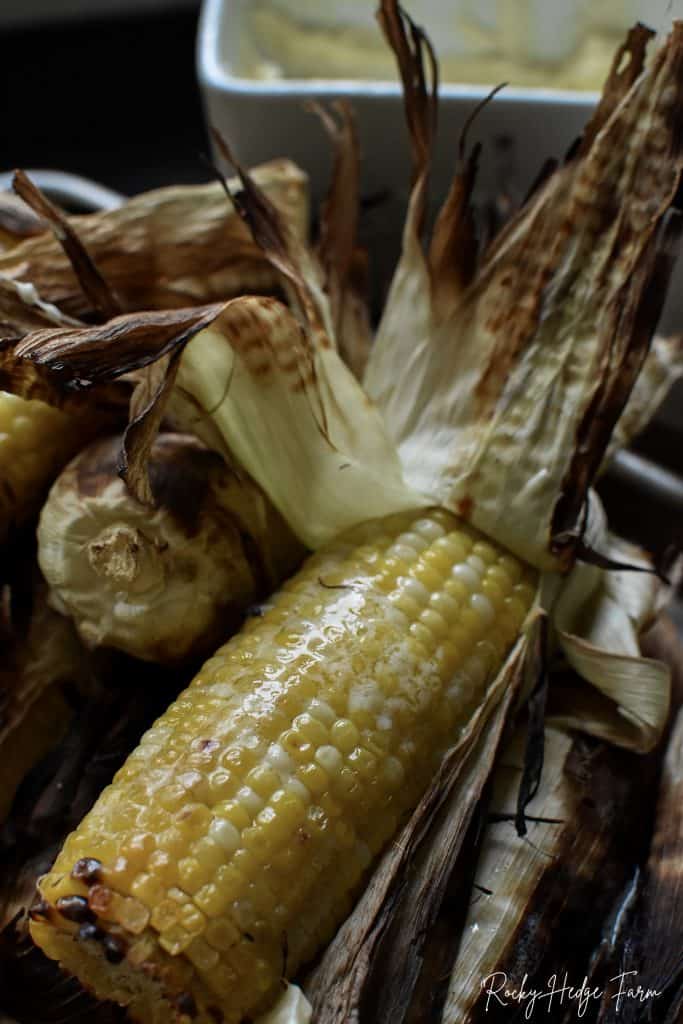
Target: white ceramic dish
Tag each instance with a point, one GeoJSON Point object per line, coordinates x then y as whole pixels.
{"type": "Point", "coordinates": [264, 118]}
{"type": "Point", "coordinates": [268, 118]}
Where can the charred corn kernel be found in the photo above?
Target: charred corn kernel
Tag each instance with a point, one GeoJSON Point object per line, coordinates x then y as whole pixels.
{"type": "Point", "coordinates": [36, 440]}
{"type": "Point", "coordinates": [324, 725]}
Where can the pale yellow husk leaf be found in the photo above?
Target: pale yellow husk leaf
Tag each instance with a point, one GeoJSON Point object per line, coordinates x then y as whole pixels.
{"type": "Point", "coordinates": [496, 391]}
{"type": "Point", "coordinates": [291, 1008]}
{"type": "Point", "coordinates": [294, 417]}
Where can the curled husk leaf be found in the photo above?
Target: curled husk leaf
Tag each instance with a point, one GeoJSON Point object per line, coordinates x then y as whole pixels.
{"type": "Point", "coordinates": [95, 288]}
{"type": "Point", "coordinates": [598, 618]}
{"type": "Point", "coordinates": [167, 582]}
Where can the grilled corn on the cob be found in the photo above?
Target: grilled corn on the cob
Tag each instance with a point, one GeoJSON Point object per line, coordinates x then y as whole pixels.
{"type": "Point", "coordinates": [35, 441]}
{"type": "Point", "coordinates": [263, 794]}
{"type": "Point", "coordinates": [230, 844]}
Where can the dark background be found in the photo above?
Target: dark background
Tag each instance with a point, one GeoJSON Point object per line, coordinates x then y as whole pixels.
{"type": "Point", "coordinates": [113, 98]}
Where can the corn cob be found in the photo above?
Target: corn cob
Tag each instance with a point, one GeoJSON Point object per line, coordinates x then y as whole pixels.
{"type": "Point", "coordinates": [245, 820]}
{"type": "Point", "coordinates": [35, 442]}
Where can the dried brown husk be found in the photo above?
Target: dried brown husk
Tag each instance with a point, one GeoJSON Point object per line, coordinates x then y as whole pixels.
{"type": "Point", "coordinates": [34, 735]}
{"type": "Point", "coordinates": [167, 249]}
{"type": "Point", "coordinates": [122, 700]}
{"type": "Point", "coordinates": [521, 362]}
{"type": "Point", "coordinates": [343, 263]}
{"type": "Point", "coordinates": [661, 370]}
{"type": "Point", "coordinates": [41, 651]}
{"type": "Point", "coordinates": [23, 310]}
{"type": "Point", "coordinates": [94, 287]}
{"type": "Point", "coordinates": [643, 937]}
{"type": "Point", "coordinates": [545, 895]}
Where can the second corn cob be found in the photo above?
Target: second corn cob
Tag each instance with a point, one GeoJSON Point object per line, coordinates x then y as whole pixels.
{"type": "Point", "coordinates": [35, 441]}
{"type": "Point", "coordinates": [230, 845]}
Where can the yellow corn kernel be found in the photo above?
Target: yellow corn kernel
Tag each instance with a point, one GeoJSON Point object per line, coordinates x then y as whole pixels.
{"type": "Point", "coordinates": [36, 441]}
{"type": "Point", "coordinates": [325, 747]}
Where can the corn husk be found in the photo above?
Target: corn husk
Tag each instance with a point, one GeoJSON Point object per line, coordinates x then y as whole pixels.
{"type": "Point", "coordinates": [628, 701]}
{"type": "Point", "coordinates": [342, 262]}
{"type": "Point", "coordinates": [41, 728]}
{"type": "Point", "coordinates": [642, 937]}
{"type": "Point", "coordinates": [545, 895]}
{"type": "Point", "coordinates": [521, 364]}
{"type": "Point", "coordinates": [166, 249]}
{"type": "Point", "coordinates": [662, 369]}
{"type": "Point", "coordinates": [42, 661]}
{"type": "Point", "coordinates": [41, 654]}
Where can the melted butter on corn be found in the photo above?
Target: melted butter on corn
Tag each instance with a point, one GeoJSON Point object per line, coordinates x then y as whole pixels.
{"type": "Point", "coordinates": [246, 819]}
